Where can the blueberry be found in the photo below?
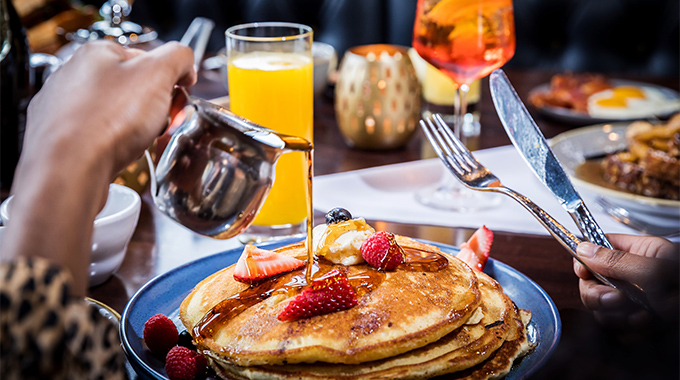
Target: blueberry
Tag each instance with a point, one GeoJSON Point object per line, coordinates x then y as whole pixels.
{"type": "Point", "coordinates": [337, 214]}
{"type": "Point", "coordinates": [185, 340]}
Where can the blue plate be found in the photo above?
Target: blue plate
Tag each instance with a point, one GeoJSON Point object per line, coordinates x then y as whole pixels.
{"type": "Point", "coordinates": [164, 294]}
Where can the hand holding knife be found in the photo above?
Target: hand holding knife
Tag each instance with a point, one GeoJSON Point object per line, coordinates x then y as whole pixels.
{"type": "Point", "coordinates": [532, 146]}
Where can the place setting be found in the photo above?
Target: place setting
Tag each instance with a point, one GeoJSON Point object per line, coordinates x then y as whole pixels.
{"type": "Point", "coordinates": [339, 247]}
{"type": "Point", "coordinates": [541, 329]}
{"type": "Point", "coordinates": [316, 208]}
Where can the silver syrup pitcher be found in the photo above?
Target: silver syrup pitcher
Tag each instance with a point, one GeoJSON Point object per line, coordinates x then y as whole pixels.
{"type": "Point", "coordinates": [217, 170]}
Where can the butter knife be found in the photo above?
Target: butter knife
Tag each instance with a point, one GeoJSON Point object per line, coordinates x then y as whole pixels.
{"type": "Point", "coordinates": [532, 146]}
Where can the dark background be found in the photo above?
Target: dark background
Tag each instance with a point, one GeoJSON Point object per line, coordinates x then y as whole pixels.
{"type": "Point", "coordinates": [609, 36]}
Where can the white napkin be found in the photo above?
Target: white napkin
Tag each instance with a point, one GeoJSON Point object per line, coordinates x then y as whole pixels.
{"type": "Point", "coordinates": [387, 193]}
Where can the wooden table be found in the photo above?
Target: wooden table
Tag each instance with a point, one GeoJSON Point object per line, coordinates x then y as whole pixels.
{"type": "Point", "coordinates": [587, 350]}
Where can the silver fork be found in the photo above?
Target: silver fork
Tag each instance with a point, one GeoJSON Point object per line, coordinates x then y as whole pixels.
{"type": "Point", "coordinates": [476, 176]}
{"type": "Point", "coordinates": [622, 215]}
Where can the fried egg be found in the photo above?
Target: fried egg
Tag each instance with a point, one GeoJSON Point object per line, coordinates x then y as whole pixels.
{"type": "Point", "coordinates": [630, 102]}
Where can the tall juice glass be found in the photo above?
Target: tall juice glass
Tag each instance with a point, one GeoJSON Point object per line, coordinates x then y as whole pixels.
{"type": "Point", "coordinates": [270, 73]}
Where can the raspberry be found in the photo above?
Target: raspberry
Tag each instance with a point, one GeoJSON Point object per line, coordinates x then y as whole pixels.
{"type": "Point", "coordinates": [382, 251]}
{"type": "Point", "coordinates": [182, 363]}
{"type": "Point", "coordinates": [160, 334]}
{"type": "Point", "coordinates": [328, 293]}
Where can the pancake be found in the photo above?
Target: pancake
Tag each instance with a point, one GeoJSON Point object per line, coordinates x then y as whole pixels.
{"type": "Point", "coordinates": [501, 361]}
{"type": "Point", "coordinates": [498, 337]}
{"type": "Point", "coordinates": [397, 312]}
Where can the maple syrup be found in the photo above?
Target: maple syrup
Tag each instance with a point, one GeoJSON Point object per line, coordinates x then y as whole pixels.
{"type": "Point", "coordinates": [362, 283]}
{"type": "Point", "coordinates": [334, 231]}
{"type": "Point", "coordinates": [299, 144]}
{"type": "Point", "coordinates": [366, 282]}
{"type": "Point", "coordinates": [309, 157]}
{"type": "Point", "coordinates": [236, 304]}
{"type": "Point", "coordinates": [420, 260]}
{"type": "Point", "coordinates": [232, 306]}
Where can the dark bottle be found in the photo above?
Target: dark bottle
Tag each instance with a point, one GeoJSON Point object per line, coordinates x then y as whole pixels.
{"type": "Point", "coordinates": [16, 84]}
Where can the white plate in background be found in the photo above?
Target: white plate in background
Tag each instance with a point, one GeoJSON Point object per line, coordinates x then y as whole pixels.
{"type": "Point", "coordinates": [572, 148]}
{"type": "Point", "coordinates": [574, 117]}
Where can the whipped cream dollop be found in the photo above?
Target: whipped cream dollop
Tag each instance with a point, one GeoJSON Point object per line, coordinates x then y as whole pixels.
{"type": "Point", "coordinates": [341, 242]}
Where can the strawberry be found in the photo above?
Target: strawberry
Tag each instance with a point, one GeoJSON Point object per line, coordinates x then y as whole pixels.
{"type": "Point", "coordinates": [328, 293]}
{"type": "Point", "coordinates": [160, 334]}
{"type": "Point", "coordinates": [475, 252]}
{"type": "Point", "coordinates": [382, 251]}
{"type": "Point", "coordinates": [256, 264]}
{"type": "Point", "coordinates": [182, 363]}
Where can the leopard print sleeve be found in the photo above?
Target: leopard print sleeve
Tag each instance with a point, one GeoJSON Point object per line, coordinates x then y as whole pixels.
{"type": "Point", "coordinates": [45, 334]}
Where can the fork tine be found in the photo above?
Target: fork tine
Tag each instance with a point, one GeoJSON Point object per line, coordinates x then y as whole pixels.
{"type": "Point", "coordinates": [435, 141]}
{"type": "Point", "coordinates": [441, 148]}
{"type": "Point", "coordinates": [459, 148]}
{"type": "Point", "coordinates": [452, 152]}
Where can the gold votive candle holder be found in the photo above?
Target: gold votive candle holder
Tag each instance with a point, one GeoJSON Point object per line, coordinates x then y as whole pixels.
{"type": "Point", "coordinates": [377, 97]}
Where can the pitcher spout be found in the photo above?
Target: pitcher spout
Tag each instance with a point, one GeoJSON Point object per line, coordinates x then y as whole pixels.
{"type": "Point", "coordinates": [222, 116]}
{"type": "Point", "coordinates": [295, 143]}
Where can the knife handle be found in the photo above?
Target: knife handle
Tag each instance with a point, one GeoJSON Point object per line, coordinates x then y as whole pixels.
{"type": "Point", "coordinates": [570, 242]}
{"type": "Point", "coordinates": [556, 229]}
{"type": "Point", "coordinates": [588, 226]}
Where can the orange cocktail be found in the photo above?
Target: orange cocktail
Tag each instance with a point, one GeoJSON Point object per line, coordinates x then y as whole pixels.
{"type": "Point", "coordinates": [466, 39]}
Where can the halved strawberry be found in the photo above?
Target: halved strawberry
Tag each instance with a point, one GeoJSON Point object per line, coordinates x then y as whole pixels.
{"type": "Point", "coordinates": [327, 294]}
{"type": "Point", "coordinates": [256, 264]}
{"type": "Point", "coordinates": [475, 252]}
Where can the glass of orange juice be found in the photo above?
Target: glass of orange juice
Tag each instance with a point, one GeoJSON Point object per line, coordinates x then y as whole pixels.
{"type": "Point", "coordinates": [270, 72]}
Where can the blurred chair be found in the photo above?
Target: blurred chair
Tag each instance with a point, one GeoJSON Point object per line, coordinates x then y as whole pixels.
{"type": "Point", "coordinates": [611, 36]}
{"type": "Point", "coordinates": [341, 23]}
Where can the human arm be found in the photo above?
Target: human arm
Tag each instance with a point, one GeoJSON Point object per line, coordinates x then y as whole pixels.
{"type": "Point", "coordinates": [93, 116]}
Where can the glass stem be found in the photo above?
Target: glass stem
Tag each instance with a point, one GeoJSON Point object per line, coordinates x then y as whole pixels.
{"type": "Point", "coordinates": [460, 109]}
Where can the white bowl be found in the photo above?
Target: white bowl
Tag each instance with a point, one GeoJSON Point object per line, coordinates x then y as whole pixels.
{"type": "Point", "coordinates": [113, 228]}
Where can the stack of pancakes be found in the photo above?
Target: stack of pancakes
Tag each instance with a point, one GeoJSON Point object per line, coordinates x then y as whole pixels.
{"type": "Point", "coordinates": [413, 324]}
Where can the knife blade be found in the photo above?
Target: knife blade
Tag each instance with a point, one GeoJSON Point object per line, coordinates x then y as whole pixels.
{"type": "Point", "coordinates": [533, 147]}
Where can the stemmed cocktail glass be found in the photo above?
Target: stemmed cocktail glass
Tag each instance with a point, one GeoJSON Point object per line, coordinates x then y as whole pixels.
{"type": "Point", "coordinates": [466, 40]}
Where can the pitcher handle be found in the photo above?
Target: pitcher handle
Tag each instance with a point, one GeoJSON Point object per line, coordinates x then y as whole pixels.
{"type": "Point", "coordinates": [152, 173]}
